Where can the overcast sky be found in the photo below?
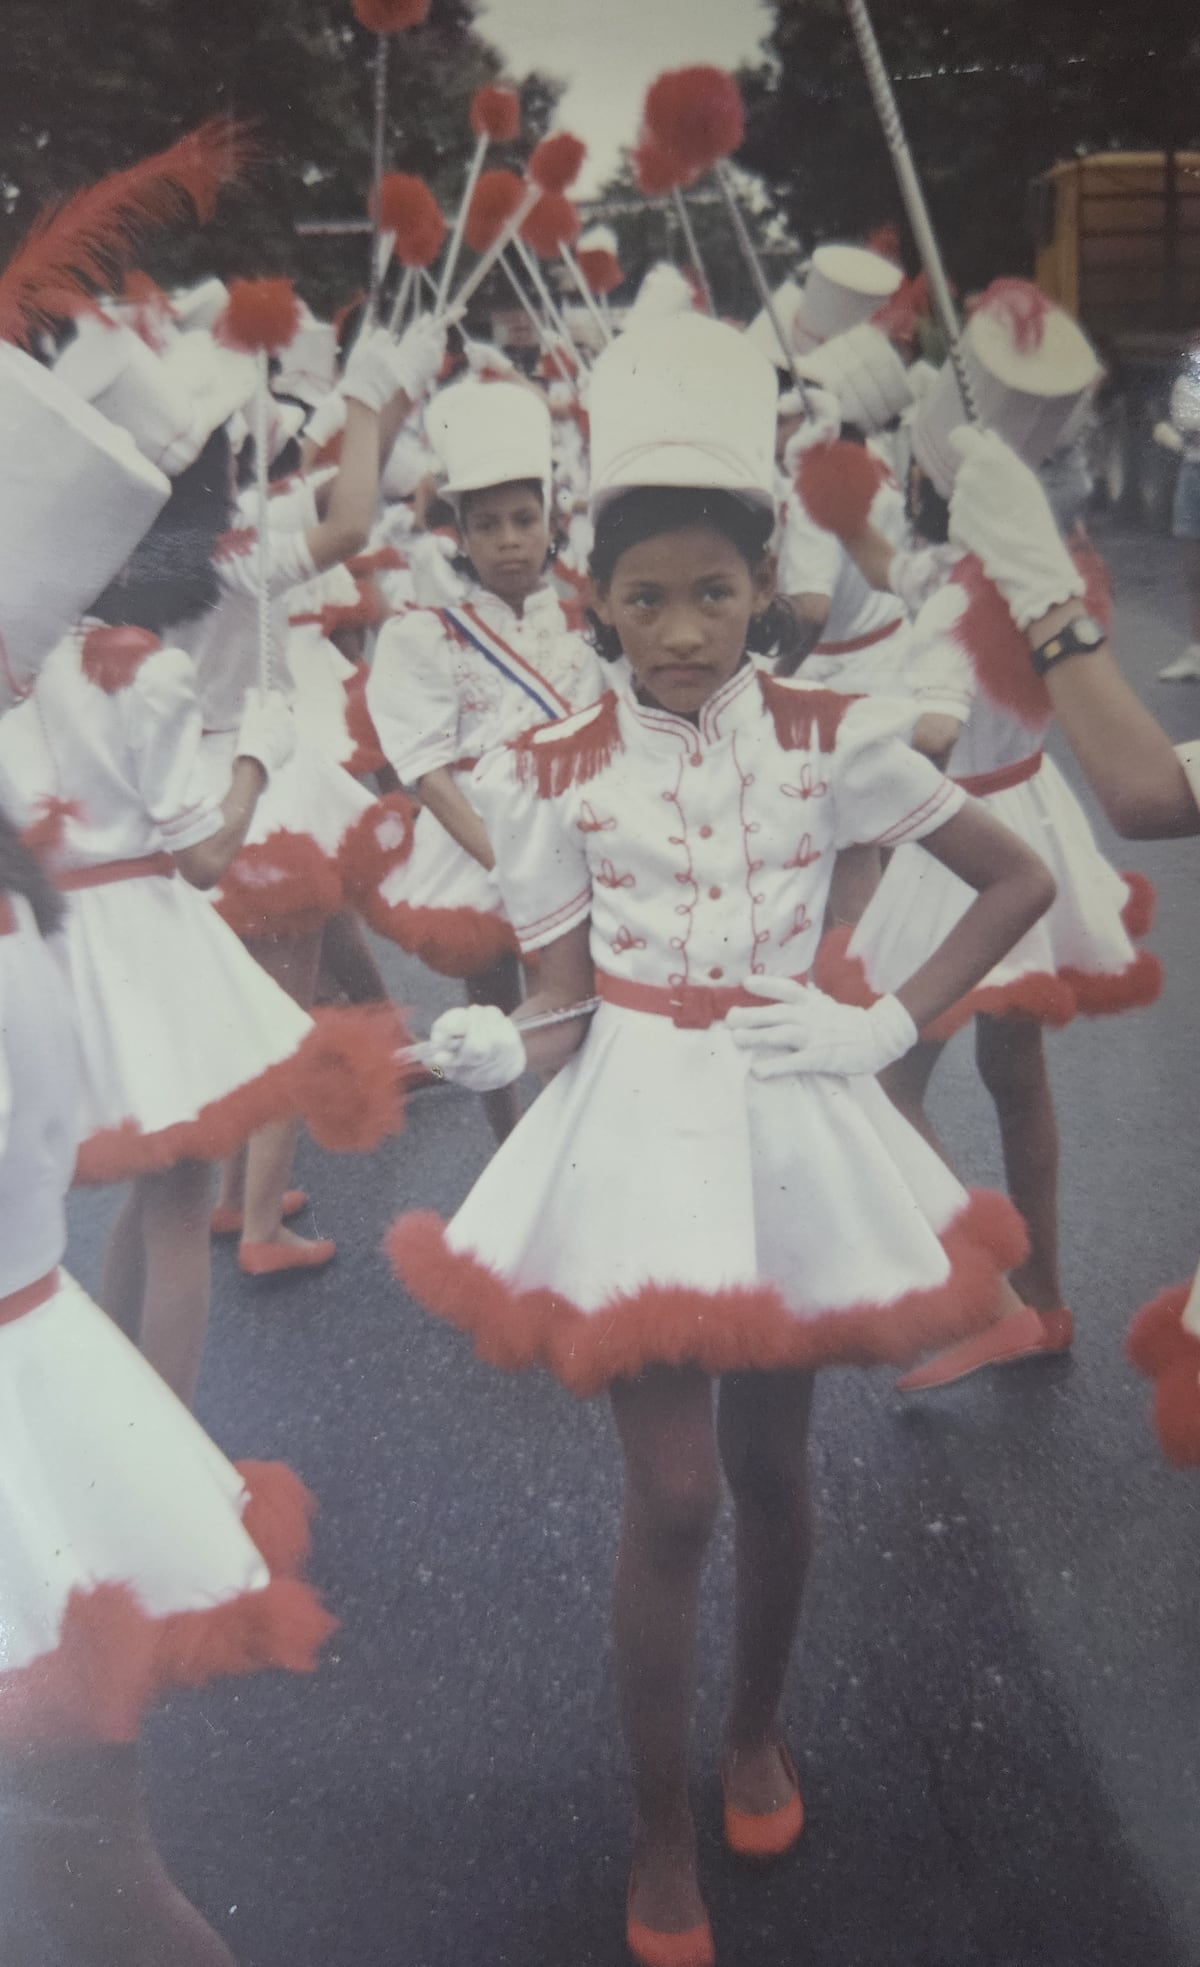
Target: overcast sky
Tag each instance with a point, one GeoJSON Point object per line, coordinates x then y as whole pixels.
{"type": "Point", "coordinates": [608, 50]}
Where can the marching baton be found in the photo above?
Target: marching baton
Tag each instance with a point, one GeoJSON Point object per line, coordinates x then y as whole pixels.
{"type": "Point", "coordinates": [585, 293]}
{"type": "Point", "coordinates": [886, 108]}
{"type": "Point", "coordinates": [725, 182]}
{"type": "Point", "coordinates": [693, 246]}
{"type": "Point", "coordinates": [420, 1055]}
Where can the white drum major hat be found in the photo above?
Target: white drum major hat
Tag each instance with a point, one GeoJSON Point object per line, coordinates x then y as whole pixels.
{"type": "Point", "coordinates": [76, 496]}
{"type": "Point", "coordinates": [687, 402]}
{"type": "Point", "coordinates": [845, 285]}
{"type": "Point", "coordinates": [1029, 364]}
{"type": "Point", "coordinates": [170, 404]}
{"type": "Point", "coordinates": [489, 433]}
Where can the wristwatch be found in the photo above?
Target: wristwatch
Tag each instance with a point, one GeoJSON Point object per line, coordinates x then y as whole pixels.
{"type": "Point", "coordinates": [1081, 637]}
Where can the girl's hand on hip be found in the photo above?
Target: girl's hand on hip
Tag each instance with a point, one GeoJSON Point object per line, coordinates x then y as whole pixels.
{"type": "Point", "coordinates": [799, 1029]}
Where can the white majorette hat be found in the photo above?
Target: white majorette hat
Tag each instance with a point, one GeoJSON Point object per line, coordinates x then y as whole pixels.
{"type": "Point", "coordinates": [490, 433]}
{"type": "Point", "coordinates": [786, 301]}
{"type": "Point", "coordinates": [683, 402]}
{"type": "Point", "coordinates": [664, 294]}
{"type": "Point", "coordinates": [201, 306]}
{"type": "Point", "coordinates": [308, 365]}
{"type": "Point", "coordinates": [169, 404]}
{"type": "Point", "coordinates": [1029, 364]}
{"type": "Point", "coordinates": [845, 285]}
{"type": "Point", "coordinates": [76, 496]}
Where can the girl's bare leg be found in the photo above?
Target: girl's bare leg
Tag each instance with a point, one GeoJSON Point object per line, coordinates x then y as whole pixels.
{"type": "Point", "coordinates": [123, 1278]}
{"type": "Point", "coordinates": [500, 985]}
{"type": "Point", "coordinates": [1012, 1064]}
{"type": "Point", "coordinates": [293, 961]}
{"type": "Point", "coordinates": [232, 1188]}
{"type": "Point", "coordinates": [672, 1493]}
{"type": "Point", "coordinates": [175, 1208]}
{"type": "Point", "coordinates": [347, 963]}
{"type": "Point", "coordinates": [762, 1433]}
{"type": "Point", "coordinates": [85, 1867]}
{"type": "Point", "coordinates": [906, 1084]}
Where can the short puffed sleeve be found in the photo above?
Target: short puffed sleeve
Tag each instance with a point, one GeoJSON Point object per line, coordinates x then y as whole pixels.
{"type": "Point", "coordinates": [540, 863]}
{"type": "Point", "coordinates": [940, 674]}
{"type": "Point", "coordinates": [884, 791]}
{"type": "Point", "coordinates": [168, 766]}
{"type": "Point", "coordinates": [411, 695]}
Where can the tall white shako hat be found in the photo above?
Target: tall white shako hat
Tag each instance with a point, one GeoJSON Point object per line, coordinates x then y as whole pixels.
{"type": "Point", "coordinates": [490, 433]}
{"type": "Point", "coordinates": [845, 285]}
{"type": "Point", "coordinates": [685, 402]}
{"type": "Point", "coordinates": [664, 294]}
{"type": "Point", "coordinates": [1029, 365]}
{"type": "Point", "coordinates": [786, 301]}
{"type": "Point", "coordinates": [170, 404]}
{"type": "Point", "coordinates": [76, 496]}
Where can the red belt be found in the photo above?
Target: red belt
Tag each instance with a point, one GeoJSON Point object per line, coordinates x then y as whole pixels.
{"type": "Point", "coordinates": [859, 641]}
{"type": "Point", "coordinates": [106, 872]}
{"type": "Point", "coordinates": [691, 1007]}
{"type": "Point", "coordinates": [1006, 776]}
{"type": "Point", "coordinates": [28, 1298]}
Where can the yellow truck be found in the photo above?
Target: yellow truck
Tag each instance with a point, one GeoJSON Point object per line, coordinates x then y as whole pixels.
{"type": "Point", "coordinates": [1117, 242]}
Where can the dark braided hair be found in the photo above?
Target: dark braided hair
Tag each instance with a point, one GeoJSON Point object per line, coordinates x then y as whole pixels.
{"type": "Point", "coordinates": [22, 874]}
{"type": "Point", "coordinates": [645, 511]}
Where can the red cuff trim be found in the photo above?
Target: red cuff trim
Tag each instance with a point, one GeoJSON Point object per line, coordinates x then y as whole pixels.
{"type": "Point", "coordinates": [722, 1331]}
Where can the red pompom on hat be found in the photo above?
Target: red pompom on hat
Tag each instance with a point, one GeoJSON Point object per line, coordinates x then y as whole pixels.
{"type": "Point", "coordinates": [885, 240]}
{"type": "Point", "coordinates": [601, 269]}
{"type": "Point", "coordinates": [696, 115]}
{"type": "Point", "coordinates": [409, 210]}
{"type": "Point", "coordinates": [262, 314]}
{"type": "Point", "coordinates": [837, 484]}
{"type": "Point", "coordinates": [557, 161]}
{"type": "Point", "coordinates": [390, 16]}
{"type": "Point", "coordinates": [552, 224]}
{"type": "Point", "coordinates": [496, 113]}
{"type": "Point", "coordinates": [494, 200]}
{"type": "Point", "coordinates": [657, 169]}
{"type": "Point", "coordinates": [1022, 306]}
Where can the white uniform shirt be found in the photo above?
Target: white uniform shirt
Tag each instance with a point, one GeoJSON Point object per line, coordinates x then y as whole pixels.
{"type": "Point", "coordinates": [702, 852]}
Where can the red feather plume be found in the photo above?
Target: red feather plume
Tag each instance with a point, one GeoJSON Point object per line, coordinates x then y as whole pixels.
{"type": "Point", "coordinates": [696, 115]}
{"type": "Point", "coordinates": [1021, 306]}
{"type": "Point", "coordinates": [493, 202]}
{"type": "Point", "coordinates": [837, 484]}
{"type": "Point", "coordinates": [601, 269]}
{"type": "Point", "coordinates": [898, 317]}
{"type": "Point", "coordinates": [259, 314]}
{"type": "Point", "coordinates": [390, 16]}
{"type": "Point", "coordinates": [657, 169]}
{"type": "Point", "coordinates": [557, 161]}
{"type": "Point", "coordinates": [496, 113]}
{"type": "Point", "coordinates": [552, 224]}
{"type": "Point", "coordinates": [86, 243]}
{"type": "Point", "coordinates": [408, 208]}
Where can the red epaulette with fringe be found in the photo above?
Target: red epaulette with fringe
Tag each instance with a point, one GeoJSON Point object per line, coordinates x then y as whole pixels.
{"type": "Point", "coordinates": [554, 757]}
{"type": "Point", "coordinates": [111, 656]}
{"type": "Point", "coordinates": [802, 714]}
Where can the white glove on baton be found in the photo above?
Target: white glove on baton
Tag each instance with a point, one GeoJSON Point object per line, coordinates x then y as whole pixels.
{"type": "Point", "coordinates": [822, 425]}
{"type": "Point", "coordinates": [418, 356]}
{"type": "Point", "coordinates": [477, 1047]}
{"type": "Point", "coordinates": [800, 1029]}
{"type": "Point", "coordinates": [999, 511]}
{"type": "Point", "coordinates": [267, 732]}
{"type": "Point", "coordinates": [370, 374]}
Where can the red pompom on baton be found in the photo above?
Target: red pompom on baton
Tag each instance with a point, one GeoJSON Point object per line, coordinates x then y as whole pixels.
{"type": "Point", "coordinates": [552, 224]}
{"type": "Point", "coordinates": [837, 484]}
{"type": "Point", "coordinates": [496, 113]}
{"type": "Point", "coordinates": [557, 161]}
{"type": "Point", "coordinates": [261, 316]}
{"type": "Point", "coordinates": [695, 116]}
{"type": "Point", "coordinates": [494, 201]}
{"type": "Point", "coordinates": [657, 169]}
{"type": "Point", "coordinates": [411, 213]}
{"type": "Point", "coordinates": [601, 269]}
{"type": "Point", "coordinates": [390, 16]}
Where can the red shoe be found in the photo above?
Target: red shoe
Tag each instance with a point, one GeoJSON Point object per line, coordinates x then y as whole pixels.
{"type": "Point", "coordinates": [650, 1948]}
{"type": "Point", "coordinates": [769, 1833]}
{"type": "Point", "coordinates": [1023, 1334]}
{"type": "Point", "coordinates": [225, 1221]}
{"type": "Point", "coordinates": [271, 1259]}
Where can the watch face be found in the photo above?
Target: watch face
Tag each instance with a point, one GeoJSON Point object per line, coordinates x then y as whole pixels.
{"type": "Point", "coordinates": [1087, 633]}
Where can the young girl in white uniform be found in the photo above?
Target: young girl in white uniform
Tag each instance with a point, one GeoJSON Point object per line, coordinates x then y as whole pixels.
{"type": "Point", "coordinates": [134, 1558]}
{"type": "Point", "coordinates": [712, 1185]}
{"type": "Point", "coordinates": [449, 684]}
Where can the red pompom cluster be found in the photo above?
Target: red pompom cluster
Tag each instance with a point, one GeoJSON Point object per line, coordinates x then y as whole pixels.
{"type": "Point", "coordinates": [496, 113]}
{"type": "Point", "coordinates": [390, 16]}
{"type": "Point", "coordinates": [552, 224]}
{"type": "Point", "coordinates": [557, 161]}
{"type": "Point", "coordinates": [837, 484]}
{"type": "Point", "coordinates": [260, 314]}
{"type": "Point", "coordinates": [1160, 1345]}
{"type": "Point", "coordinates": [493, 202]}
{"type": "Point", "coordinates": [408, 208]}
{"type": "Point", "coordinates": [601, 269]}
{"type": "Point", "coordinates": [695, 115]}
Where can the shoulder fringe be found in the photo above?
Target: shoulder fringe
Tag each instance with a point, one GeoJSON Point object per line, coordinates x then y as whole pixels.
{"type": "Point", "coordinates": [803, 715]}
{"type": "Point", "coordinates": [554, 757]}
{"type": "Point", "coordinates": [111, 656]}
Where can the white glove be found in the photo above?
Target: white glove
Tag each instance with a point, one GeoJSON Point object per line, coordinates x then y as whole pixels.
{"type": "Point", "coordinates": [477, 1047]}
{"type": "Point", "coordinates": [800, 1029]}
{"type": "Point", "coordinates": [485, 359]}
{"type": "Point", "coordinates": [267, 731]}
{"type": "Point", "coordinates": [370, 374]}
{"type": "Point", "coordinates": [327, 419]}
{"type": "Point", "coordinates": [418, 356]}
{"type": "Point", "coordinates": [862, 369]}
{"type": "Point", "coordinates": [999, 511]}
{"type": "Point", "coordinates": [822, 424]}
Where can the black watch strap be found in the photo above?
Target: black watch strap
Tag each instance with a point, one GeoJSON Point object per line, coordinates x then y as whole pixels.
{"type": "Point", "coordinates": [1081, 636]}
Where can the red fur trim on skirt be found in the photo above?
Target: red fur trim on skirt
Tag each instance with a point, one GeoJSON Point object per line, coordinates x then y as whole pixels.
{"type": "Point", "coordinates": [1158, 1346]}
{"type": "Point", "coordinates": [721, 1331]}
{"type": "Point", "coordinates": [367, 755]}
{"type": "Point", "coordinates": [1138, 912]}
{"type": "Point", "coordinates": [347, 1081]}
{"type": "Point", "coordinates": [117, 1154]}
{"type": "Point", "coordinates": [113, 1660]}
{"type": "Point", "coordinates": [379, 841]}
{"type": "Point", "coordinates": [285, 885]}
{"type": "Point", "coordinates": [457, 942]}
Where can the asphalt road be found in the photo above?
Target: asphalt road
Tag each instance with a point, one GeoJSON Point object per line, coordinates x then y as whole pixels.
{"type": "Point", "coordinates": [995, 1704]}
